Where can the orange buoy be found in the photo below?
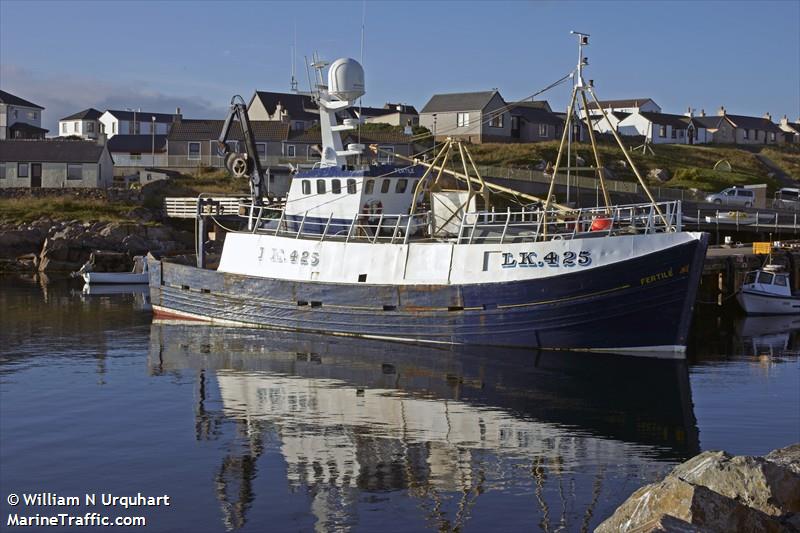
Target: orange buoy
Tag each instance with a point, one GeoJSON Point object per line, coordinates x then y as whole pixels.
{"type": "Point", "coordinates": [600, 224]}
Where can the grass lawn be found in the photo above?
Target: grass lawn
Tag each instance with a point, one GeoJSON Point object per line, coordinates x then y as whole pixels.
{"type": "Point", "coordinates": [28, 209]}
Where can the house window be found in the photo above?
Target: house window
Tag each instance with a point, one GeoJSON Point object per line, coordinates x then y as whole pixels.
{"type": "Point", "coordinates": [289, 150]}
{"type": "Point", "coordinates": [64, 127]}
{"type": "Point", "coordinates": [514, 123]}
{"type": "Point", "coordinates": [369, 187]}
{"type": "Point", "coordinates": [462, 120]}
{"type": "Point", "coordinates": [772, 136]}
{"type": "Point", "coordinates": [77, 126]}
{"type": "Point", "coordinates": [136, 157]}
{"type": "Point", "coordinates": [15, 113]}
{"type": "Point", "coordinates": [2, 171]}
{"type": "Point", "coordinates": [310, 152]}
{"type": "Point", "coordinates": [674, 133]}
{"type": "Point", "coordinates": [261, 150]}
{"type": "Point", "coordinates": [31, 115]}
{"type": "Point", "coordinates": [746, 134]}
{"type": "Point", "coordinates": [387, 157]}
{"type": "Point", "coordinates": [680, 134]}
{"type": "Point", "coordinates": [114, 127]}
{"type": "Point", "coordinates": [90, 127]}
{"type": "Point", "coordinates": [306, 187]}
{"type": "Point", "coordinates": [299, 126]}
{"type": "Point", "coordinates": [401, 186]}
{"type": "Point", "coordinates": [336, 186]}
{"type": "Point", "coordinates": [496, 121]}
{"type": "Point", "coordinates": [662, 131]}
{"type": "Point", "coordinates": [74, 172]}
{"type": "Point", "coordinates": [351, 186]}
{"type": "Point", "coordinates": [320, 186]}
{"type": "Point", "coordinates": [385, 186]}
{"type": "Point", "coordinates": [542, 130]}
{"type": "Point", "coordinates": [22, 170]}
{"type": "Point", "coordinates": [194, 150]}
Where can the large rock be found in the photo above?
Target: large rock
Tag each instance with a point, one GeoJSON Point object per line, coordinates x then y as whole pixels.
{"type": "Point", "coordinates": [695, 504]}
{"type": "Point", "coordinates": [753, 481]}
{"type": "Point", "coordinates": [718, 493]}
{"type": "Point", "coordinates": [788, 457]}
{"type": "Point", "coordinates": [24, 240]}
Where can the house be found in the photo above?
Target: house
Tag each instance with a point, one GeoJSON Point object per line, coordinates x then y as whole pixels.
{"type": "Point", "coordinates": [305, 146]}
{"type": "Point", "coordinates": [476, 117]}
{"type": "Point", "coordinates": [55, 163]}
{"type": "Point", "coordinates": [664, 128]}
{"type": "Point", "coordinates": [114, 122]}
{"type": "Point", "coordinates": [393, 114]}
{"type": "Point", "coordinates": [741, 129]}
{"type": "Point", "coordinates": [791, 130]}
{"type": "Point", "coordinates": [84, 124]}
{"type": "Point", "coordinates": [533, 121]}
{"type": "Point", "coordinates": [193, 142]}
{"type": "Point", "coordinates": [19, 118]}
{"type": "Point", "coordinates": [138, 151]}
{"type": "Point", "coordinates": [616, 111]}
{"type": "Point", "coordinates": [297, 110]}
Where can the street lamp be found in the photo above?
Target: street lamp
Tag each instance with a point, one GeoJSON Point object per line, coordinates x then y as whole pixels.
{"type": "Point", "coordinates": [133, 132]}
{"type": "Point", "coordinates": [153, 131]}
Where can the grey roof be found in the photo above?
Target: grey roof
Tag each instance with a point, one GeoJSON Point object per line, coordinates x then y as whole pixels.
{"type": "Point", "coordinates": [709, 122]}
{"type": "Point", "coordinates": [458, 102]}
{"type": "Point", "coordinates": [536, 114]}
{"type": "Point", "coordinates": [141, 116]}
{"type": "Point", "coordinates": [366, 137]}
{"type": "Point", "coordinates": [27, 128]}
{"type": "Point", "coordinates": [137, 143]}
{"type": "Point", "coordinates": [666, 119]}
{"type": "Point", "coordinates": [753, 123]}
{"type": "Point", "coordinates": [202, 130]}
{"type": "Point", "coordinates": [298, 106]}
{"type": "Point", "coordinates": [626, 102]}
{"type": "Point", "coordinates": [47, 151]}
{"type": "Point", "coordinates": [10, 99]}
{"type": "Point", "coordinates": [86, 114]}
{"type": "Point", "coordinates": [407, 109]}
{"type": "Point", "coordinates": [536, 104]}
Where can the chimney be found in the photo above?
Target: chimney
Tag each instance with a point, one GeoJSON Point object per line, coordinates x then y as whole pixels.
{"type": "Point", "coordinates": [721, 111]}
{"type": "Point", "coordinates": [101, 139]}
{"type": "Point", "coordinates": [784, 120]}
{"type": "Point", "coordinates": [702, 112]}
{"type": "Point", "coordinates": [689, 112]}
{"type": "Point", "coordinates": [177, 117]}
{"type": "Point", "coordinates": [768, 116]}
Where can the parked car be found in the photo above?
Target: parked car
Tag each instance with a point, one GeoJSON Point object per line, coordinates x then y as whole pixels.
{"type": "Point", "coordinates": [787, 198]}
{"type": "Point", "coordinates": [733, 196]}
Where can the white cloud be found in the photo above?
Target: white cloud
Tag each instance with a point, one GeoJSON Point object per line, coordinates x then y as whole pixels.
{"type": "Point", "coordinates": [64, 94]}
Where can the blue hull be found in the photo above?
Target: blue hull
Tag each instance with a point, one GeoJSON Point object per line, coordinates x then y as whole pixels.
{"type": "Point", "coordinates": [616, 307]}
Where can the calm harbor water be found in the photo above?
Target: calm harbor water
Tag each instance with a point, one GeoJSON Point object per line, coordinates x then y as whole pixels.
{"type": "Point", "coordinates": [251, 430]}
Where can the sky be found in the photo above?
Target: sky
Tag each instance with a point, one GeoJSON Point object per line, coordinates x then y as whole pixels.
{"type": "Point", "coordinates": [156, 56]}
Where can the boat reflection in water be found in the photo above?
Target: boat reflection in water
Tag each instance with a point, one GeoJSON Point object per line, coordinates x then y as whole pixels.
{"type": "Point", "coordinates": [769, 335]}
{"type": "Point", "coordinates": [355, 415]}
{"type": "Point", "coordinates": [139, 292]}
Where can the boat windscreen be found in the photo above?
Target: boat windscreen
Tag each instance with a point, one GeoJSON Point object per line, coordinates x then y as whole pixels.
{"type": "Point", "coordinates": [750, 278]}
{"type": "Point", "coordinates": [765, 278]}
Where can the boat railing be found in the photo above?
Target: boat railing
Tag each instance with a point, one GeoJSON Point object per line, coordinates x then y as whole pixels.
{"type": "Point", "coordinates": [481, 227]}
{"type": "Point", "coordinates": [533, 225]}
{"type": "Point", "coordinates": [392, 228]}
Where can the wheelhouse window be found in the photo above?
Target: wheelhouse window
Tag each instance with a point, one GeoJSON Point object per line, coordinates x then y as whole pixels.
{"type": "Point", "coordinates": [369, 186]}
{"type": "Point", "coordinates": [351, 186]}
{"type": "Point", "coordinates": [496, 121]}
{"type": "Point", "coordinates": [781, 280]}
{"type": "Point", "coordinates": [74, 172]}
{"type": "Point", "coordinates": [542, 130]}
{"type": "Point", "coordinates": [194, 150]}
{"type": "Point", "coordinates": [320, 186]}
{"type": "Point", "coordinates": [385, 186]}
{"type": "Point", "coordinates": [290, 150]}
{"type": "Point", "coordinates": [462, 120]}
{"type": "Point", "coordinates": [22, 170]}
{"type": "Point", "coordinates": [401, 186]}
{"type": "Point", "coordinates": [750, 278]}
{"type": "Point", "coordinates": [306, 187]}
{"type": "Point", "coordinates": [336, 186]}
{"type": "Point", "coordinates": [765, 278]}
{"type": "Point", "coordinates": [386, 157]}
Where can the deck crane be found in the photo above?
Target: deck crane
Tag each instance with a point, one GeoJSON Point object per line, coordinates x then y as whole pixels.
{"type": "Point", "coordinates": [241, 164]}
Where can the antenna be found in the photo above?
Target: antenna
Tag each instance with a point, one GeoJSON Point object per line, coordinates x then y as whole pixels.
{"type": "Point", "coordinates": [294, 52]}
{"type": "Point", "coordinates": [583, 40]}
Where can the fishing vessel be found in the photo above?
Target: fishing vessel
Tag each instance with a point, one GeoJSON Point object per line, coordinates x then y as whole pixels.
{"type": "Point", "coordinates": [422, 253]}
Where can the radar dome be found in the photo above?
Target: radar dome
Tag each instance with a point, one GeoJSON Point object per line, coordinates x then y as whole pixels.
{"type": "Point", "coordinates": [346, 79]}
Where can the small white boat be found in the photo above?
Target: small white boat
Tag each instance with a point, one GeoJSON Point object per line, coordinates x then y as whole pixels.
{"type": "Point", "coordinates": [139, 274]}
{"type": "Point", "coordinates": [767, 292]}
{"type": "Point", "coordinates": [733, 217]}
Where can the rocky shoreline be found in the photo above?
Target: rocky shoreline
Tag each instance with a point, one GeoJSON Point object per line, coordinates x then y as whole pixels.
{"type": "Point", "coordinates": [715, 492]}
{"type": "Point", "coordinates": [49, 246]}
